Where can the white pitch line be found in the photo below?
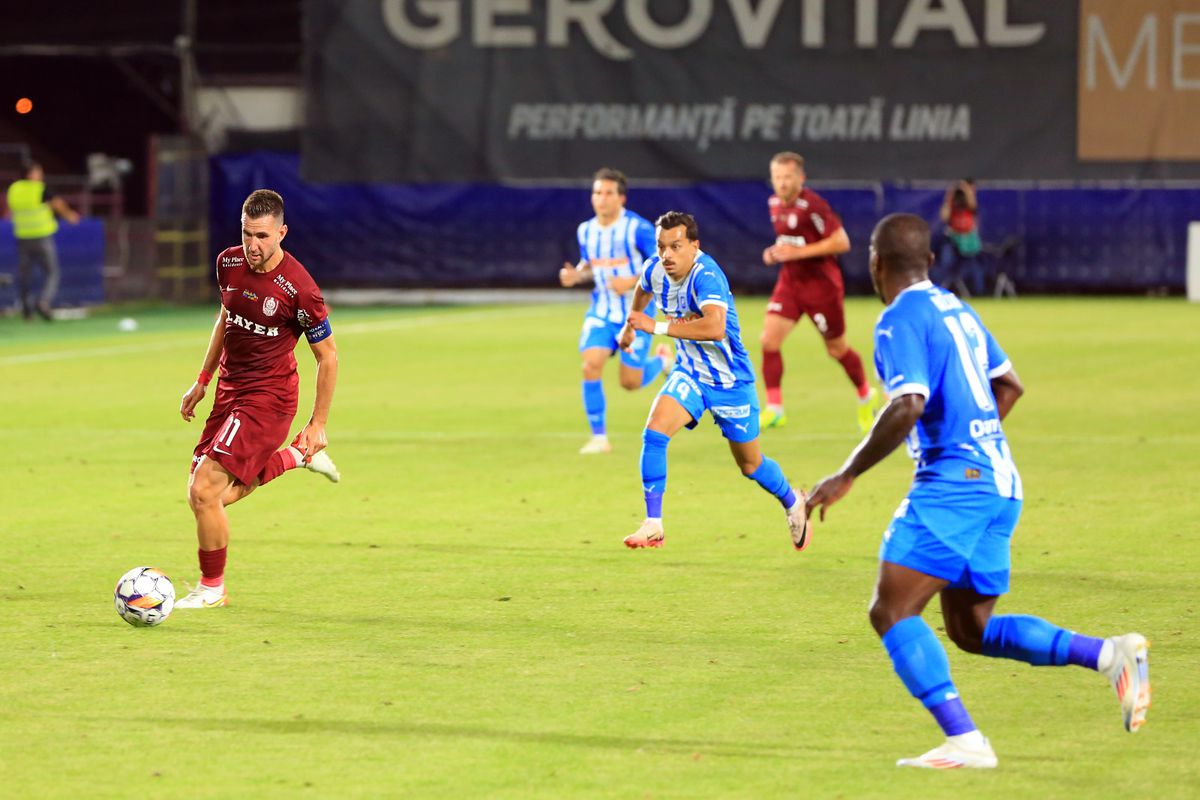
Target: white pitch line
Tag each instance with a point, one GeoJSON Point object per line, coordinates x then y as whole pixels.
{"type": "Point", "coordinates": [412, 321]}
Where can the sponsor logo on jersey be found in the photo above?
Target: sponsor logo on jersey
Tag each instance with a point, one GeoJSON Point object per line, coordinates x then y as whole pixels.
{"type": "Point", "coordinates": [731, 412]}
{"type": "Point", "coordinates": [286, 285]}
{"type": "Point", "coordinates": [231, 261]}
{"type": "Point", "coordinates": [249, 295]}
{"type": "Point", "coordinates": [983, 428]}
{"type": "Point", "coordinates": [608, 263]}
{"type": "Point", "coordinates": [792, 220]}
{"type": "Point", "coordinates": [253, 327]}
{"type": "Point", "coordinates": [972, 474]}
{"type": "Point", "coordinates": [270, 306]}
{"type": "Point", "coordinates": [303, 318]}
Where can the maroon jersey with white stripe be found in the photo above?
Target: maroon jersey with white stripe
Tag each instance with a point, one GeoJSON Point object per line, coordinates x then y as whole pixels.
{"type": "Point", "coordinates": [268, 313]}
{"type": "Point", "coordinates": [805, 220]}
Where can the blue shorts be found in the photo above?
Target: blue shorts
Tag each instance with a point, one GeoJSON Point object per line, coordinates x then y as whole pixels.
{"type": "Point", "coordinates": [958, 534]}
{"type": "Point", "coordinates": [599, 332]}
{"type": "Point", "coordinates": [734, 410]}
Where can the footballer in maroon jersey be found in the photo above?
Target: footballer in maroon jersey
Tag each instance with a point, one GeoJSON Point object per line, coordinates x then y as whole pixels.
{"type": "Point", "coordinates": [268, 301]}
{"type": "Point", "coordinates": [808, 239]}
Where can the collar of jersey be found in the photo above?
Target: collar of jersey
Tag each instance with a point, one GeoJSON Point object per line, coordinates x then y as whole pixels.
{"type": "Point", "coordinates": [919, 286]}
{"type": "Point", "coordinates": [612, 224]}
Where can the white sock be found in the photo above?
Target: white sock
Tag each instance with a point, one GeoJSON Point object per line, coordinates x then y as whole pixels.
{"type": "Point", "coordinates": [775, 409]}
{"type": "Point", "coordinates": [971, 740]}
{"type": "Point", "coordinates": [298, 455]}
{"type": "Point", "coordinates": [1107, 652]}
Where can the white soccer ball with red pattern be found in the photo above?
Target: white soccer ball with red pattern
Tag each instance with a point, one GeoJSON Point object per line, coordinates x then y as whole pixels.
{"type": "Point", "coordinates": [144, 597]}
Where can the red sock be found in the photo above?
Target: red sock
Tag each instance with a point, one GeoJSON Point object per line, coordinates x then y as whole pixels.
{"type": "Point", "coordinates": [773, 376]}
{"type": "Point", "coordinates": [279, 462]}
{"type": "Point", "coordinates": [212, 567]}
{"type": "Point", "coordinates": [854, 370]}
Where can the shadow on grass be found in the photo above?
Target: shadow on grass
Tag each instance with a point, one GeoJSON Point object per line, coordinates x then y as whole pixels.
{"type": "Point", "coordinates": [647, 744]}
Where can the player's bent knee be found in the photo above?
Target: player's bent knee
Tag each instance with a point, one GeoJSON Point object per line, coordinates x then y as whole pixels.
{"type": "Point", "coordinates": [882, 617]}
{"type": "Point", "coordinates": [631, 383]}
{"type": "Point", "coordinates": [836, 349]}
{"type": "Point", "coordinates": [966, 637]}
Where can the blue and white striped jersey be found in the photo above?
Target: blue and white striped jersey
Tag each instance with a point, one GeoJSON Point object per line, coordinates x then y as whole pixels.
{"type": "Point", "coordinates": [928, 342]}
{"type": "Point", "coordinates": [724, 363]}
{"type": "Point", "coordinates": [616, 250]}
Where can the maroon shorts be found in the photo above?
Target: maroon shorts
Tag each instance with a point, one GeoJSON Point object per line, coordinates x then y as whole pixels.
{"type": "Point", "coordinates": [822, 299]}
{"type": "Point", "coordinates": [243, 431]}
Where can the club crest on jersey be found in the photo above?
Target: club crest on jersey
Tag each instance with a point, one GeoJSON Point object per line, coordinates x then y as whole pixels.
{"type": "Point", "coordinates": [793, 220]}
{"type": "Point", "coordinates": [249, 295]}
{"type": "Point", "coordinates": [270, 306]}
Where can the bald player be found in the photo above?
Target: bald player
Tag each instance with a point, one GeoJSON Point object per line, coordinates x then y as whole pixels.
{"type": "Point", "coordinates": [950, 386]}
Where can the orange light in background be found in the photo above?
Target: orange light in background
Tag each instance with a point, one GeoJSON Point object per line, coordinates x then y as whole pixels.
{"type": "Point", "coordinates": [24, 105]}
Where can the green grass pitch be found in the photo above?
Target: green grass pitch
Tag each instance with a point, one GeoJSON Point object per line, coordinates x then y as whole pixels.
{"type": "Point", "coordinates": [458, 617]}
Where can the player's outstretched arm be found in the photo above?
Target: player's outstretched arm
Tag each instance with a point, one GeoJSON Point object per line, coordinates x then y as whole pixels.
{"type": "Point", "coordinates": [216, 343]}
{"type": "Point", "coordinates": [312, 439]}
{"type": "Point", "coordinates": [889, 431]}
{"type": "Point", "coordinates": [1007, 389]}
{"type": "Point", "coordinates": [574, 274]}
{"type": "Point", "coordinates": [834, 244]}
{"type": "Point", "coordinates": [637, 319]}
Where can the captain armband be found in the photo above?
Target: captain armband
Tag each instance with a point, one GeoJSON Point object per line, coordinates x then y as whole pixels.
{"type": "Point", "coordinates": [318, 332]}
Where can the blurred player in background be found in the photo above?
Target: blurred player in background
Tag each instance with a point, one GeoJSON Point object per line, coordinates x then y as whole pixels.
{"type": "Point", "coordinates": [809, 237]}
{"type": "Point", "coordinates": [950, 386]}
{"type": "Point", "coordinates": [613, 245]}
{"type": "Point", "coordinates": [268, 301]}
{"type": "Point", "coordinates": [712, 372]}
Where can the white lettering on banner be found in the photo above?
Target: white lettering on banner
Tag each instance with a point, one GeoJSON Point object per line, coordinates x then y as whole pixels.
{"type": "Point", "coordinates": [431, 24]}
{"type": "Point", "coordinates": [705, 123]}
{"type": "Point", "coordinates": [1097, 38]}
{"type": "Point", "coordinates": [490, 34]}
{"type": "Point", "coordinates": [1184, 48]}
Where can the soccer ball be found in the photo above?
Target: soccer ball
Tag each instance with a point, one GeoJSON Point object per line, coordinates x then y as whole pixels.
{"type": "Point", "coordinates": [144, 597]}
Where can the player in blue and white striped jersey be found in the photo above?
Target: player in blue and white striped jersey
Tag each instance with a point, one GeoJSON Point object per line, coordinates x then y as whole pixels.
{"type": "Point", "coordinates": [712, 372]}
{"type": "Point", "coordinates": [950, 385]}
{"type": "Point", "coordinates": [613, 246]}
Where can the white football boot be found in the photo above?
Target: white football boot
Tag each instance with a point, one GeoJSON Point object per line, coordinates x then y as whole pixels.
{"type": "Point", "coordinates": [955, 754]}
{"type": "Point", "coordinates": [1129, 674]}
{"type": "Point", "coordinates": [322, 464]}
{"type": "Point", "coordinates": [597, 444]}
{"type": "Point", "coordinates": [799, 525]}
{"type": "Point", "coordinates": [650, 534]}
{"type": "Point", "coordinates": [202, 596]}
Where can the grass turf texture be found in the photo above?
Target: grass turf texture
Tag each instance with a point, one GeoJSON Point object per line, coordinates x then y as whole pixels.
{"type": "Point", "coordinates": [458, 617]}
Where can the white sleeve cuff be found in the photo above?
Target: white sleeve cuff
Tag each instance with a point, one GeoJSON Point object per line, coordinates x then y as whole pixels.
{"type": "Point", "coordinates": [1000, 370]}
{"type": "Point", "coordinates": [720, 303]}
{"type": "Point", "coordinates": [910, 388]}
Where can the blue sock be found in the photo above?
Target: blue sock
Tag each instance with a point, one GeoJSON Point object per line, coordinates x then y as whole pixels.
{"type": "Point", "coordinates": [1034, 641]}
{"type": "Point", "coordinates": [653, 367]}
{"type": "Point", "coordinates": [1084, 651]}
{"type": "Point", "coordinates": [770, 477]}
{"type": "Point", "coordinates": [654, 470]}
{"type": "Point", "coordinates": [920, 661]}
{"type": "Point", "coordinates": [593, 405]}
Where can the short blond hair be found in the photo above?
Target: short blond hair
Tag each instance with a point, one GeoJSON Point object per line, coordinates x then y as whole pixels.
{"type": "Point", "coordinates": [788, 156]}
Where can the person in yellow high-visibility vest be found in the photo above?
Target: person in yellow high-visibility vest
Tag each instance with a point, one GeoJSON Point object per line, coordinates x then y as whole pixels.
{"type": "Point", "coordinates": [33, 209]}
